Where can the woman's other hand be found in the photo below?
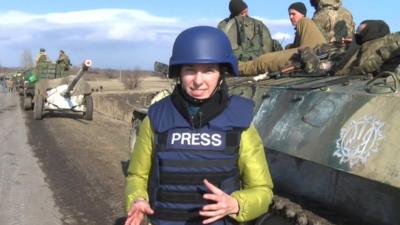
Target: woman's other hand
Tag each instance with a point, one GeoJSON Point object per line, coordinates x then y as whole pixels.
{"type": "Point", "coordinates": [136, 214]}
{"type": "Point", "coordinates": [223, 205]}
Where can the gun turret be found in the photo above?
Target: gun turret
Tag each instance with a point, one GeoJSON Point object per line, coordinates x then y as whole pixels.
{"type": "Point", "coordinates": [85, 66]}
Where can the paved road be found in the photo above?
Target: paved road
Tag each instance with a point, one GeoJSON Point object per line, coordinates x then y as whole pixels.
{"type": "Point", "coordinates": [25, 196]}
{"type": "Point", "coordinates": [60, 170]}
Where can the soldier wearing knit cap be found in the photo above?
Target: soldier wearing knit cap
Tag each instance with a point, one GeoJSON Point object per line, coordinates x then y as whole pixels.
{"type": "Point", "coordinates": [307, 35]}
{"type": "Point", "coordinates": [297, 11]}
{"type": "Point", "coordinates": [249, 37]}
{"type": "Point", "coordinates": [299, 7]}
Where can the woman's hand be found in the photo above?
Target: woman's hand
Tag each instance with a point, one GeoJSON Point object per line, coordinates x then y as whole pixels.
{"type": "Point", "coordinates": [224, 204]}
{"type": "Point", "coordinates": [136, 214]}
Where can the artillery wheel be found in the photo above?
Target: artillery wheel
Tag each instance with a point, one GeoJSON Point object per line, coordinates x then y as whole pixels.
{"type": "Point", "coordinates": [88, 115]}
{"type": "Point", "coordinates": [27, 102]}
{"type": "Point", "coordinates": [38, 108]}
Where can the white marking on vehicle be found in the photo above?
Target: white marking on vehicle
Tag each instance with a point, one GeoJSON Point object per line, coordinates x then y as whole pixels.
{"type": "Point", "coordinates": [359, 140]}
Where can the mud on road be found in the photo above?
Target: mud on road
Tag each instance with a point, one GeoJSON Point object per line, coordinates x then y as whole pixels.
{"type": "Point", "coordinates": [82, 162]}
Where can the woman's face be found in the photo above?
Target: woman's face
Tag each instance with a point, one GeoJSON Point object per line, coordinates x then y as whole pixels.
{"type": "Point", "coordinates": [200, 80]}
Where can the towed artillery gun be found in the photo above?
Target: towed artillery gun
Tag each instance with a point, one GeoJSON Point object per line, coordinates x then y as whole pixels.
{"type": "Point", "coordinates": [70, 93]}
{"type": "Point", "coordinates": [331, 142]}
{"type": "Point", "coordinates": [43, 70]}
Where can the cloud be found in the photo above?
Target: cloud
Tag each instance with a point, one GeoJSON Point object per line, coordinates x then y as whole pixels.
{"type": "Point", "coordinates": [99, 24]}
{"type": "Point", "coordinates": [102, 33]}
{"type": "Point", "coordinates": [282, 37]}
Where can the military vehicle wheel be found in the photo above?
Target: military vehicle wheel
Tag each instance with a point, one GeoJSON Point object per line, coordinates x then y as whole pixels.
{"type": "Point", "coordinates": [28, 102]}
{"type": "Point", "coordinates": [88, 115]}
{"type": "Point", "coordinates": [38, 108]}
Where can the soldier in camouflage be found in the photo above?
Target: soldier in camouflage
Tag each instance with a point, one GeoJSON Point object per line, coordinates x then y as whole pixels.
{"type": "Point", "coordinates": [249, 37]}
{"type": "Point", "coordinates": [307, 35]}
{"type": "Point", "coordinates": [374, 49]}
{"type": "Point", "coordinates": [334, 21]}
{"type": "Point", "coordinates": [63, 61]}
{"type": "Point", "coordinates": [42, 57]}
{"type": "Point", "coordinates": [380, 49]}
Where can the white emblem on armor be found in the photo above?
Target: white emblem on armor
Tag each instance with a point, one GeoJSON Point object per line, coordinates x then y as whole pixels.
{"type": "Point", "coordinates": [359, 140]}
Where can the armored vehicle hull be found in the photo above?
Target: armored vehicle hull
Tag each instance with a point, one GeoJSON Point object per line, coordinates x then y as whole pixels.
{"type": "Point", "coordinates": [332, 143]}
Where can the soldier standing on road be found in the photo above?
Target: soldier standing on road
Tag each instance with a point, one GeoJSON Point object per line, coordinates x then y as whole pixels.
{"type": "Point", "coordinates": [334, 21]}
{"type": "Point", "coordinates": [10, 84]}
{"type": "Point", "coordinates": [249, 37]}
{"type": "Point", "coordinates": [198, 159]}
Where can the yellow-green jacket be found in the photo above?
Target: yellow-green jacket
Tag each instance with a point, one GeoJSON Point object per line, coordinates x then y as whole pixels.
{"type": "Point", "coordinates": [255, 195]}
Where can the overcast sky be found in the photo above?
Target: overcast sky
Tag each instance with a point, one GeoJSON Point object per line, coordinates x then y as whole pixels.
{"type": "Point", "coordinates": [131, 34]}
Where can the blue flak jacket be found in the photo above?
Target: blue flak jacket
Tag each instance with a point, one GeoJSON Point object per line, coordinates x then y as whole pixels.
{"type": "Point", "coordinates": [184, 157]}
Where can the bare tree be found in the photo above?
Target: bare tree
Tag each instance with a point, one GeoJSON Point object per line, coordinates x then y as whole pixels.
{"type": "Point", "coordinates": [26, 59]}
{"type": "Point", "coordinates": [131, 80]}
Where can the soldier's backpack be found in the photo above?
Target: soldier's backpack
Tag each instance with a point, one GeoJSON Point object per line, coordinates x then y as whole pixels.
{"type": "Point", "coordinates": [42, 58]}
{"type": "Point", "coordinates": [246, 36]}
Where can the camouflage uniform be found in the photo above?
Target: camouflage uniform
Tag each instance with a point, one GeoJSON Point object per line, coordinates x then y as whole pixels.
{"type": "Point", "coordinates": [63, 62]}
{"type": "Point", "coordinates": [375, 55]}
{"type": "Point", "coordinates": [10, 84]}
{"type": "Point", "coordinates": [309, 36]}
{"type": "Point", "coordinates": [41, 57]}
{"type": "Point", "coordinates": [334, 21]}
{"type": "Point", "coordinates": [230, 27]}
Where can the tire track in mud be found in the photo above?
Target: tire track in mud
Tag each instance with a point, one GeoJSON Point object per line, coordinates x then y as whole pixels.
{"type": "Point", "coordinates": [85, 186]}
{"type": "Point", "coordinates": [72, 191]}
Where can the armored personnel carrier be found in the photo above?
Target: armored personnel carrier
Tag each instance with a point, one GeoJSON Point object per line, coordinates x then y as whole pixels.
{"type": "Point", "coordinates": [332, 145]}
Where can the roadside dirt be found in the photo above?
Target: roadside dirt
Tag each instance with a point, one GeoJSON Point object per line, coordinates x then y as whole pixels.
{"type": "Point", "coordinates": [82, 161]}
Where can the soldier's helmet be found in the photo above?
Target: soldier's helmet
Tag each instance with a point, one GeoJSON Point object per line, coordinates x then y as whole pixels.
{"type": "Point", "coordinates": [42, 50]}
{"type": "Point", "coordinates": [201, 45]}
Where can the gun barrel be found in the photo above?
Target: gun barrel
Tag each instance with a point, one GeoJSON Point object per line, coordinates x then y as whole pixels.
{"type": "Point", "coordinates": [85, 66]}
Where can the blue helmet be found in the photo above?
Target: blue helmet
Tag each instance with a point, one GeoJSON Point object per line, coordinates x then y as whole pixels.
{"type": "Point", "coordinates": [202, 44]}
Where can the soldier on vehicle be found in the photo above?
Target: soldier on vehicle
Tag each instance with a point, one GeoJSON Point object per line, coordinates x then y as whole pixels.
{"type": "Point", "coordinates": [249, 37]}
{"type": "Point", "coordinates": [333, 19]}
{"type": "Point", "coordinates": [198, 159]}
{"type": "Point", "coordinates": [42, 57]}
{"type": "Point", "coordinates": [379, 49]}
{"type": "Point", "coordinates": [63, 61]}
{"type": "Point", "coordinates": [307, 35]}
{"type": "Point", "coordinates": [374, 49]}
